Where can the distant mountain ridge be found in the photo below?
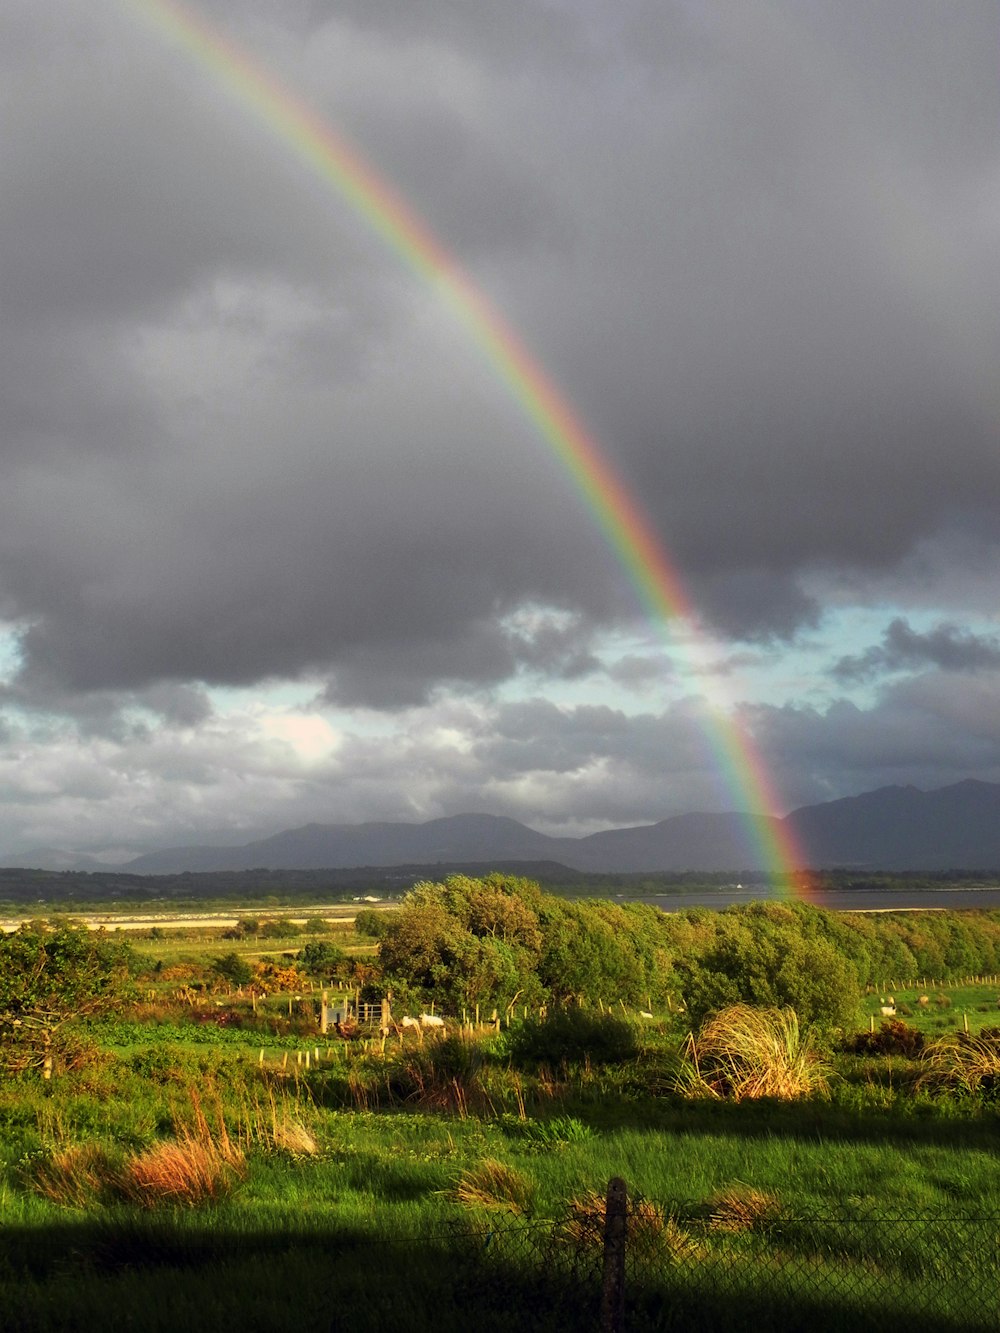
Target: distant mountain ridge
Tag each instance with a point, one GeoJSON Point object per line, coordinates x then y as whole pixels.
{"type": "Point", "coordinates": [892, 828]}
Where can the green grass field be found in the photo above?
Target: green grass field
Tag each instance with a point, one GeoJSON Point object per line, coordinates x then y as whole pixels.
{"type": "Point", "coordinates": [370, 1152]}
{"type": "Point", "coordinates": [208, 1158]}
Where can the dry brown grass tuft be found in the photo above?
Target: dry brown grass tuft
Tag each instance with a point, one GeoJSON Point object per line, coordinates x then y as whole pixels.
{"type": "Point", "coordinates": [75, 1177]}
{"type": "Point", "coordinates": [200, 1165]}
{"type": "Point", "coordinates": [493, 1184]}
{"type": "Point", "coordinates": [292, 1136]}
{"type": "Point", "coordinates": [739, 1208]}
{"type": "Point", "coordinates": [186, 1173]}
{"type": "Point", "coordinates": [650, 1231]}
{"type": "Point", "coordinates": [276, 1125]}
{"type": "Point", "coordinates": [747, 1053]}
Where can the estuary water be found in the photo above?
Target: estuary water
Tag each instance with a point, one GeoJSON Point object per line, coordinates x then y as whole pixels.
{"type": "Point", "coordinates": [837, 900]}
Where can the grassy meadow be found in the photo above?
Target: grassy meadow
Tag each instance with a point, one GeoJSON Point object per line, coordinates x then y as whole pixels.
{"type": "Point", "coordinates": [203, 1154]}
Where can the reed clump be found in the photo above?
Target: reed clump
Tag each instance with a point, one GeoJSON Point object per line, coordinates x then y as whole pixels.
{"type": "Point", "coordinates": [650, 1231]}
{"type": "Point", "coordinates": [492, 1184]}
{"type": "Point", "coordinates": [740, 1208]}
{"type": "Point", "coordinates": [742, 1053]}
{"type": "Point", "coordinates": [964, 1064]}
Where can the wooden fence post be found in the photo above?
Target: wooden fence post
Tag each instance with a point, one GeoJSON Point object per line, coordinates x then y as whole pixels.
{"type": "Point", "coordinates": [613, 1276]}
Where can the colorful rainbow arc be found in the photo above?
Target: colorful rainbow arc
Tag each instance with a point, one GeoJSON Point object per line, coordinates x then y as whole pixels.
{"type": "Point", "coordinates": [626, 529]}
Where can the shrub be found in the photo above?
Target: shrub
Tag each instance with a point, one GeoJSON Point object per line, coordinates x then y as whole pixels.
{"type": "Point", "coordinates": [323, 959]}
{"type": "Point", "coordinates": [893, 1038]}
{"type": "Point", "coordinates": [440, 1075]}
{"type": "Point", "coordinates": [233, 969]}
{"type": "Point", "coordinates": [572, 1034]}
{"type": "Point", "coordinates": [373, 925]}
{"type": "Point", "coordinates": [746, 1053]}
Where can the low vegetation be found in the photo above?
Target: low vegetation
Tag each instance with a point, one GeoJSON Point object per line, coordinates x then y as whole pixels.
{"type": "Point", "coordinates": [198, 1134]}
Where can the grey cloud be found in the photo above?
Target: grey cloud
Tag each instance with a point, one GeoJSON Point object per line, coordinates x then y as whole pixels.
{"type": "Point", "coordinates": [905, 649]}
{"type": "Point", "coordinates": [724, 229]}
{"type": "Point", "coordinates": [919, 731]}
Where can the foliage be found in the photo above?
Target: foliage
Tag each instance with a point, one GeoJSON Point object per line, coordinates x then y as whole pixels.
{"type": "Point", "coordinates": [763, 957]}
{"type": "Point", "coordinates": [277, 928]}
{"type": "Point", "coordinates": [573, 1034]}
{"type": "Point", "coordinates": [892, 1038]}
{"type": "Point", "coordinates": [372, 924]}
{"type": "Point", "coordinates": [320, 958]}
{"type": "Point", "coordinates": [466, 941]}
{"type": "Point", "coordinates": [50, 976]}
{"type": "Point", "coordinates": [234, 969]}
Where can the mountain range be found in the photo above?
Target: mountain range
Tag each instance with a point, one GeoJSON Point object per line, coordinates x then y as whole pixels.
{"type": "Point", "coordinates": [893, 828]}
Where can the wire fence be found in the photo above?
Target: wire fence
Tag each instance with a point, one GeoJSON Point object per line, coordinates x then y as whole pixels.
{"type": "Point", "coordinates": [741, 1264]}
{"type": "Point", "coordinates": [740, 1261]}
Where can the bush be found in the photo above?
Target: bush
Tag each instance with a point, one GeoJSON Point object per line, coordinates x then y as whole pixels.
{"type": "Point", "coordinates": [373, 925]}
{"type": "Point", "coordinates": [322, 959]}
{"type": "Point", "coordinates": [573, 1035]}
{"type": "Point", "coordinates": [233, 969]}
{"type": "Point", "coordinates": [893, 1038]}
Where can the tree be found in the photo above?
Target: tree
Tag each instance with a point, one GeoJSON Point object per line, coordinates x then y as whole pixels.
{"type": "Point", "coordinates": [234, 969]}
{"type": "Point", "coordinates": [319, 958]}
{"type": "Point", "coordinates": [466, 942]}
{"type": "Point", "coordinates": [371, 923]}
{"type": "Point", "coordinates": [49, 976]}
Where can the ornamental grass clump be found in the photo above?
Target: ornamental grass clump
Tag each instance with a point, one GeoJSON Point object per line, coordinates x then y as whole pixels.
{"type": "Point", "coordinates": [650, 1231]}
{"type": "Point", "coordinates": [743, 1054]}
{"type": "Point", "coordinates": [77, 1176]}
{"type": "Point", "coordinates": [964, 1064]}
{"type": "Point", "coordinates": [200, 1165]}
{"type": "Point", "coordinates": [493, 1184]}
{"type": "Point", "coordinates": [740, 1208]}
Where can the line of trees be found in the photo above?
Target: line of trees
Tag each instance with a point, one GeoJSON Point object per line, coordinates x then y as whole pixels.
{"type": "Point", "coordinates": [501, 940]}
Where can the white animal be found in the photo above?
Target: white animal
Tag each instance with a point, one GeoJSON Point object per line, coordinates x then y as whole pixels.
{"type": "Point", "coordinates": [644, 1013]}
{"type": "Point", "coordinates": [431, 1021]}
{"type": "Point", "coordinates": [887, 1010]}
{"type": "Point", "coordinates": [409, 1022]}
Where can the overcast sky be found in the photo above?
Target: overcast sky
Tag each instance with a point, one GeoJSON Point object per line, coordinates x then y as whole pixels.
{"type": "Point", "coordinates": [275, 543]}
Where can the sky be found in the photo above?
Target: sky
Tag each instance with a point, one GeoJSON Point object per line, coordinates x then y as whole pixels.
{"type": "Point", "coordinates": [278, 545]}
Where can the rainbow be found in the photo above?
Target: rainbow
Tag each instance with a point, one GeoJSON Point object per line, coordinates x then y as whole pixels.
{"type": "Point", "coordinates": [628, 532]}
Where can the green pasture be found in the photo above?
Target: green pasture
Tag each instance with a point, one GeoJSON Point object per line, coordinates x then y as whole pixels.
{"type": "Point", "coordinates": [204, 1156]}
{"type": "Point", "coordinates": [353, 1180]}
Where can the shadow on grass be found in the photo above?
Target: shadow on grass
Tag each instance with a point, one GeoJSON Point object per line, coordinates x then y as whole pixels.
{"type": "Point", "coordinates": [166, 1275]}
{"type": "Point", "coordinates": [806, 1120]}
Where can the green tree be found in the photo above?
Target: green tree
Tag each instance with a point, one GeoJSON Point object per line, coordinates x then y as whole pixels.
{"type": "Point", "coordinates": [321, 959]}
{"type": "Point", "coordinates": [233, 968]}
{"type": "Point", "coordinates": [49, 976]}
{"type": "Point", "coordinates": [373, 924]}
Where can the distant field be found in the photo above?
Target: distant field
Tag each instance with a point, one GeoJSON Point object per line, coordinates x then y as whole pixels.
{"type": "Point", "coordinates": [210, 919]}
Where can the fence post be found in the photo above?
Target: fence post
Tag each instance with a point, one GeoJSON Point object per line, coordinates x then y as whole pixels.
{"type": "Point", "coordinates": [613, 1277]}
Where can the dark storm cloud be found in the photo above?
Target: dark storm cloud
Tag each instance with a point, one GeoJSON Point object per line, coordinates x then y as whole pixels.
{"type": "Point", "coordinates": [920, 731]}
{"type": "Point", "coordinates": [905, 649]}
{"type": "Point", "coordinates": [241, 444]}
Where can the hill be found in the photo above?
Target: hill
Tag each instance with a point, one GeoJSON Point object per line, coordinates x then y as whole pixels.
{"type": "Point", "coordinates": [893, 828]}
